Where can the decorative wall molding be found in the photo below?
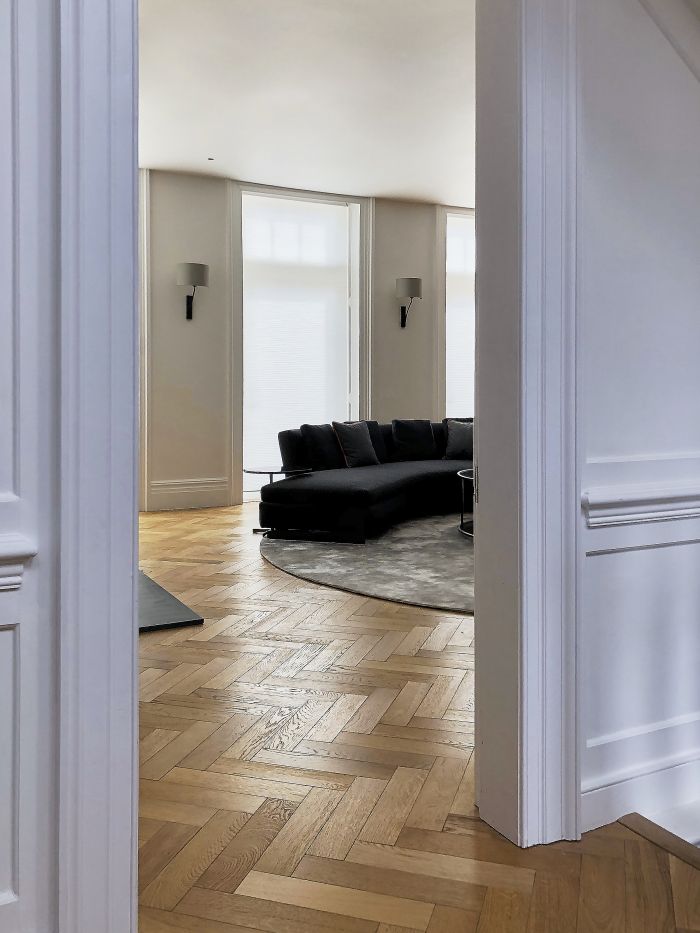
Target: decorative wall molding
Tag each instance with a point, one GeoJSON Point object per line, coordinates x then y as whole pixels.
{"type": "Point", "coordinates": [646, 729]}
{"type": "Point", "coordinates": [199, 493]}
{"type": "Point", "coordinates": [628, 504]}
{"type": "Point", "coordinates": [189, 485]}
{"type": "Point", "coordinates": [10, 159]}
{"type": "Point", "coordinates": [641, 789]}
{"type": "Point", "coordinates": [15, 551]}
{"type": "Point", "coordinates": [616, 759]}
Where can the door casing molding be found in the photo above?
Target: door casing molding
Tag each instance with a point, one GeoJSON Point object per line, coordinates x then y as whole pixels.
{"type": "Point", "coordinates": [526, 642]}
{"type": "Point", "coordinates": [98, 489]}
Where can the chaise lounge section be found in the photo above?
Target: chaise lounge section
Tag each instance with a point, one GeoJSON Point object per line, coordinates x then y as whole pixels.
{"type": "Point", "coordinates": [351, 503]}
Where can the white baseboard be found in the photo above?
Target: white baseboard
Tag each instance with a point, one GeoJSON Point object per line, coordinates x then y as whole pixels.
{"type": "Point", "coordinates": [672, 781]}
{"type": "Point", "coordinates": [204, 493]}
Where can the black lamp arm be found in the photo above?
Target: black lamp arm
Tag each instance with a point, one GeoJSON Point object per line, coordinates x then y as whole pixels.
{"type": "Point", "coordinates": [404, 312]}
{"type": "Point", "coordinates": [189, 300]}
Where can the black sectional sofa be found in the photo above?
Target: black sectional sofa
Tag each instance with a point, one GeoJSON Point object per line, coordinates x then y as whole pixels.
{"type": "Point", "coordinates": [351, 503]}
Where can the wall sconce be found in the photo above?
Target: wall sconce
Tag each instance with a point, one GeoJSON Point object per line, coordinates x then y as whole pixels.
{"type": "Point", "coordinates": [408, 288]}
{"type": "Point", "coordinates": [192, 274]}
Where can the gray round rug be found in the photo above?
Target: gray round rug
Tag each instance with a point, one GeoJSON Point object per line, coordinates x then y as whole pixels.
{"type": "Point", "coordinates": [425, 562]}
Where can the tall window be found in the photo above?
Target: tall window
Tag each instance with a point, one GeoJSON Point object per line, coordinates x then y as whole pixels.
{"type": "Point", "coordinates": [460, 315]}
{"type": "Point", "coordinates": [300, 320]}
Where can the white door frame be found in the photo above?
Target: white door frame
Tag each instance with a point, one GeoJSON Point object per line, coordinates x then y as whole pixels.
{"type": "Point", "coordinates": [99, 429]}
{"type": "Point", "coordinates": [98, 433]}
{"type": "Point", "coordinates": [528, 556]}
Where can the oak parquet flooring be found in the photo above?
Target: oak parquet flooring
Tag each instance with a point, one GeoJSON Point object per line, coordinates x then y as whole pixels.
{"type": "Point", "coordinates": [307, 766]}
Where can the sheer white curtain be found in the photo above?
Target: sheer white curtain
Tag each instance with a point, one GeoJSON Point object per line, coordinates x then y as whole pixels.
{"type": "Point", "coordinates": [460, 315]}
{"type": "Point", "coordinates": [298, 325]}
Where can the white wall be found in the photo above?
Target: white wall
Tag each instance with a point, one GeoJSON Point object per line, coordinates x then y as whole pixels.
{"type": "Point", "coordinates": [191, 414]}
{"type": "Point", "coordinates": [188, 370]}
{"type": "Point", "coordinates": [404, 375]}
{"type": "Point", "coordinates": [639, 309]}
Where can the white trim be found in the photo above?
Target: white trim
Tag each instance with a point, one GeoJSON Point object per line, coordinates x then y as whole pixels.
{"type": "Point", "coordinates": [146, 354]}
{"type": "Point", "coordinates": [98, 432]}
{"type": "Point", "coordinates": [528, 506]}
{"type": "Point", "coordinates": [190, 485]}
{"type": "Point", "coordinates": [200, 493]}
{"type": "Point", "coordinates": [236, 341]}
{"type": "Point", "coordinates": [676, 779]}
{"type": "Point", "coordinates": [15, 551]}
{"type": "Point", "coordinates": [618, 758]}
{"type": "Point", "coordinates": [549, 764]}
{"type": "Point", "coordinates": [646, 729]}
{"type": "Point", "coordinates": [635, 504]}
{"type": "Point", "coordinates": [366, 253]}
{"type": "Point", "coordinates": [440, 355]}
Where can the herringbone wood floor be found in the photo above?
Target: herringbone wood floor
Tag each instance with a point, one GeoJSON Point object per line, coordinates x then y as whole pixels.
{"type": "Point", "coordinates": [307, 767]}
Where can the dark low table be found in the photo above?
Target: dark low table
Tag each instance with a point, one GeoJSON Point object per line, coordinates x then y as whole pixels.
{"type": "Point", "coordinates": [271, 473]}
{"type": "Point", "coordinates": [466, 526]}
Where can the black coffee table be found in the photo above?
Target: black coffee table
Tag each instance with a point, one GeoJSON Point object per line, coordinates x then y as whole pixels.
{"type": "Point", "coordinates": [466, 526]}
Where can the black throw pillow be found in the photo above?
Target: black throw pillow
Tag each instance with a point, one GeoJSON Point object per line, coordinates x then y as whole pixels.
{"type": "Point", "coordinates": [322, 446]}
{"type": "Point", "coordinates": [375, 432]}
{"type": "Point", "coordinates": [413, 440]}
{"type": "Point", "coordinates": [460, 440]}
{"type": "Point", "coordinates": [356, 443]}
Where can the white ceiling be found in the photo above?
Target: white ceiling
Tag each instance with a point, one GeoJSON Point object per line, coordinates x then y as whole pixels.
{"type": "Point", "coordinates": [361, 97]}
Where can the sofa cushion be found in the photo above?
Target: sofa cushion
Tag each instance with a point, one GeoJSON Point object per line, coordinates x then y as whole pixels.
{"type": "Point", "coordinates": [385, 431]}
{"type": "Point", "coordinates": [440, 435]}
{"type": "Point", "coordinates": [322, 447]}
{"type": "Point", "coordinates": [356, 443]}
{"type": "Point", "coordinates": [363, 486]}
{"type": "Point", "coordinates": [413, 440]}
{"type": "Point", "coordinates": [295, 456]}
{"type": "Point", "coordinates": [460, 440]}
{"type": "Point", "coordinates": [378, 442]}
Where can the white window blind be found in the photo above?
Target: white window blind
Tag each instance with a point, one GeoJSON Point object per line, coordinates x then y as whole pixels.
{"type": "Point", "coordinates": [299, 324]}
{"type": "Point", "coordinates": [460, 315]}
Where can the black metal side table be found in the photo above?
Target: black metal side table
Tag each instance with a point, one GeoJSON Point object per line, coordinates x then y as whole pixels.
{"type": "Point", "coordinates": [271, 473]}
{"type": "Point", "coordinates": [466, 526]}
{"type": "Point", "coordinates": [280, 472]}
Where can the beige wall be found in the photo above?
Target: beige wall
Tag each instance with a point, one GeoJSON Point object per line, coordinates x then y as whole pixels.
{"type": "Point", "coordinates": [188, 362]}
{"type": "Point", "coordinates": [189, 417]}
{"type": "Point", "coordinates": [404, 379]}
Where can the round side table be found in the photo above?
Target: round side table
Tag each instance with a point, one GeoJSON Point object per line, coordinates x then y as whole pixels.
{"type": "Point", "coordinates": [466, 526]}
{"type": "Point", "coordinates": [276, 472]}
{"type": "Point", "coordinates": [271, 473]}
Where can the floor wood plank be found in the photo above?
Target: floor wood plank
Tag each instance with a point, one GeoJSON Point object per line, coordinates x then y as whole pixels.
{"type": "Point", "coordinates": [308, 767]}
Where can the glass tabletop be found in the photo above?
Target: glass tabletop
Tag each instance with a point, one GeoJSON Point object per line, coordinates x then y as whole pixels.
{"type": "Point", "coordinates": [275, 471]}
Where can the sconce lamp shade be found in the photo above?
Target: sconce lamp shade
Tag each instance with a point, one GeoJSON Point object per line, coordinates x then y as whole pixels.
{"type": "Point", "coordinates": [192, 274]}
{"type": "Point", "coordinates": [409, 288]}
